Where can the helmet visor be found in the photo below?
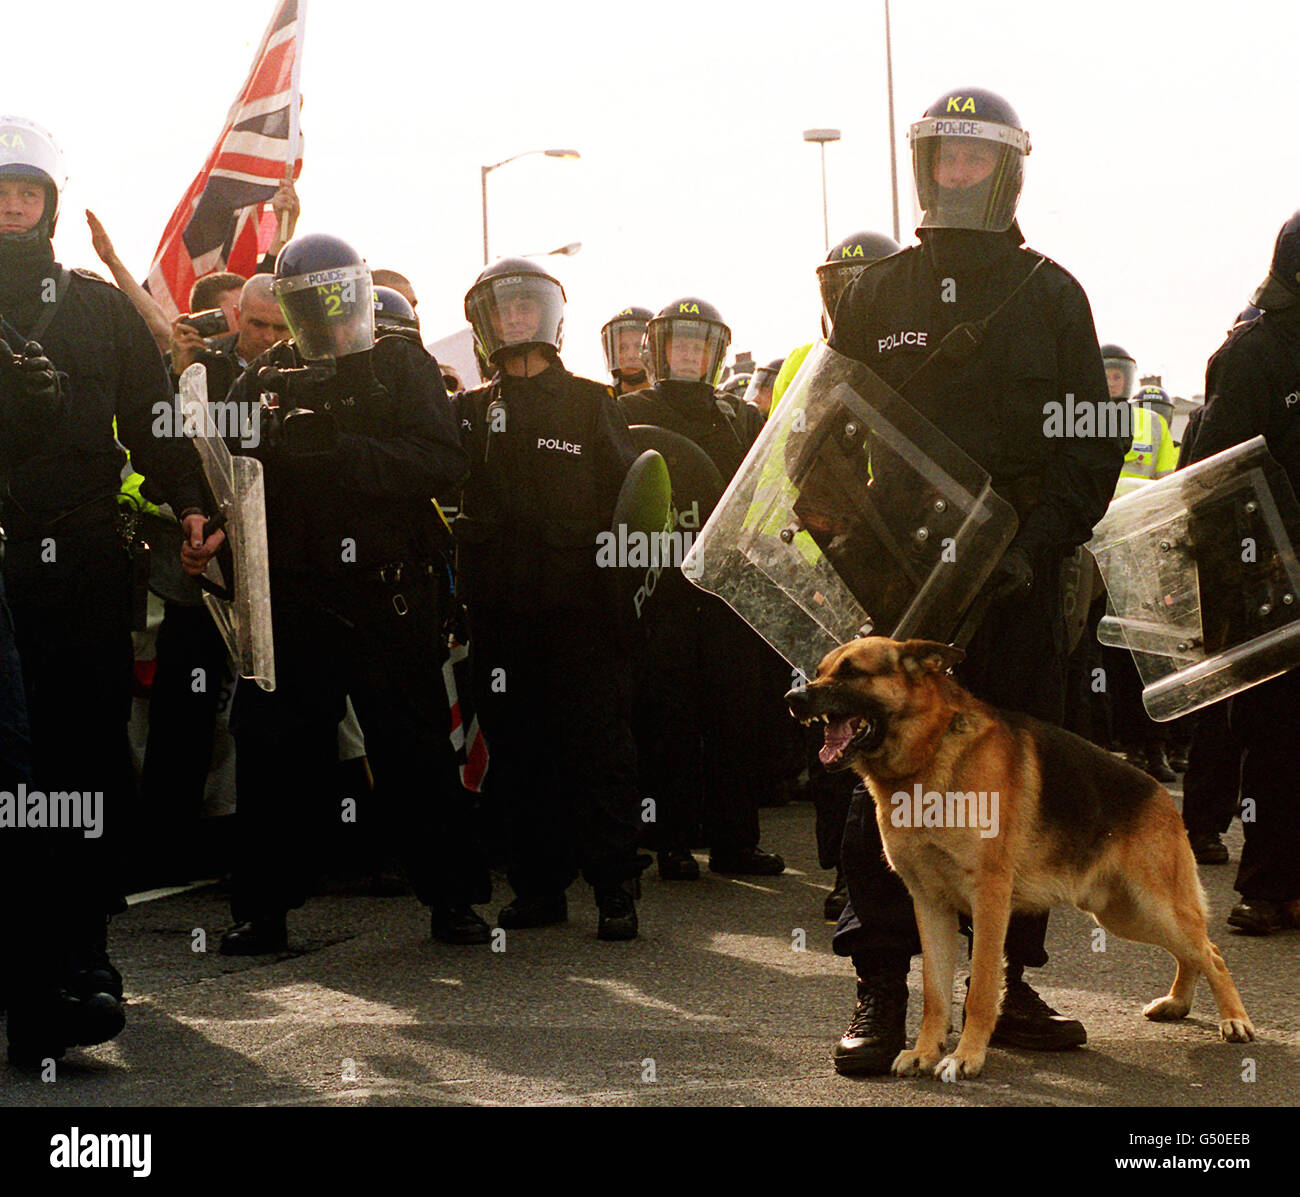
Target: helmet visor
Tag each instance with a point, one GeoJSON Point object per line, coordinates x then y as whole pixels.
{"type": "Point", "coordinates": [1121, 376]}
{"type": "Point", "coordinates": [623, 340]}
{"type": "Point", "coordinates": [330, 313]}
{"type": "Point", "coordinates": [759, 391]}
{"type": "Point", "coordinates": [687, 350]}
{"type": "Point", "coordinates": [968, 173]}
{"type": "Point", "coordinates": [834, 278]}
{"type": "Point", "coordinates": [516, 310]}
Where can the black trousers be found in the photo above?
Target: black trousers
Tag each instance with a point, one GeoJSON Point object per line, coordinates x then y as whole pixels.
{"type": "Point", "coordinates": [553, 696]}
{"type": "Point", "coordinates": [1016, 661]}
{"type": "Point", "coordinates": [182, 716]}
{"type": "Point", "coordinates": [1267, 720]}
{"type": "Point", "coordinates": [287, 745]}
{"type": "Point", "coordinates": [69, 594]}
{"type": "Point", "coordinates": [1212, 782]}
{"type": "Point", "coordinates": [697, 726]}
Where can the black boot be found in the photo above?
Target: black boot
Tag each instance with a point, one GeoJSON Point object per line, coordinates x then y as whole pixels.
{"type": "Point", "coordinates": [44, 1028]}
{"type": "Point", "coordinates": [837, 899]}
{"type": "Point", "coordinates": [747, 862]}
{"type": "Point", "coordinates": [677, 864]}
{"type": "Point", "coordinates": [617, 911]}
{"type": "Point", "coordinates": [1158, 763]}
{"type": "Point", "coordinates": [1029, 1022]}
{"type": "Point", "coordinates": [458, 925]}
{"type": "Point", "coordinates": [537, 911]}
{"type": "Point", "coordinates": [257, 937]}
{"type": "Point", "coordinates": [878, 1029]}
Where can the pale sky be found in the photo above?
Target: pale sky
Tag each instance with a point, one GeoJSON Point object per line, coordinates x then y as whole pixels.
{"type": "Point", "coordinates": [1165, 156]}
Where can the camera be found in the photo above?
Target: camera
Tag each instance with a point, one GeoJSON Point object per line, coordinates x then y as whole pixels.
{"type": "Point", "coordinates": [209, 324]}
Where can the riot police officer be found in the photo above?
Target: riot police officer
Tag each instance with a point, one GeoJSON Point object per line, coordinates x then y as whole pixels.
{"type": "Point", "coordinates": [845, 260]}
{"type": "Point", "coordinates": [1252, 387]}
{"type": "Point", "coordinates": [622, 338]}
{"type": "Point", "coordinates": [549, 650]}
{"type": "Point", "coordinates": [77, 357]}
{"type": "Point", "coordinates": [697, 748]}
{"type": "Point", "coordinates": [395, 315]}
{"type": "Point", "coordinates": [980, 335]}
{"type": "Point", "coordinates": [358, 558]}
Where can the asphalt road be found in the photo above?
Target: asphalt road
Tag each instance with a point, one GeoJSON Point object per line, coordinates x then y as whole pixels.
{"type": "Point", "coordinates": [730, 996]}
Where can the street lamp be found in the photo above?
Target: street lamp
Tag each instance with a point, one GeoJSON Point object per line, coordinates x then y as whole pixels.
{"type": "Point", "coordinates": [821, 137]}
{"type": "Point", "coordinates": [487, 170]}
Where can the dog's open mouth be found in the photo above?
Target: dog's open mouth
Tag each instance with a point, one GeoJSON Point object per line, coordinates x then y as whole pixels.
{"type": "Point", "coordinates": [845, 734]}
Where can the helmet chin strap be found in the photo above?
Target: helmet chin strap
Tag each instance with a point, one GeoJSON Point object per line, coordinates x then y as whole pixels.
{"type": "Point", "coordinates": [628, 376]}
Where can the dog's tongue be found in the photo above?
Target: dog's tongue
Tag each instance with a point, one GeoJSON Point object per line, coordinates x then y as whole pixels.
{"type": "Point", "coordinates": [838, 734]}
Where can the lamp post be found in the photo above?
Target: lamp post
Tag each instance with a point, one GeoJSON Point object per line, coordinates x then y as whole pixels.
{"type": "Point", "coordinates": [893, 148]}
{"type": "Point", "coordinates": [821, 137]}
{"type": "Point", "coordinates": [487, 170]}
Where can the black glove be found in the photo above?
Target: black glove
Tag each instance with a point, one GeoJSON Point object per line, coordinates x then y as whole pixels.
{"type": "Point", "coordinates": [36, 379]}
{"type": "Point", "coordinates": [1013, 575]}
{"type": "Point", "coordinates": [307, 433]}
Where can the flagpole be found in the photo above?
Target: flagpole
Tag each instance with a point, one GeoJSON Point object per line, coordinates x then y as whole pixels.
{"type": "Point", "coordinates": [295, 132]}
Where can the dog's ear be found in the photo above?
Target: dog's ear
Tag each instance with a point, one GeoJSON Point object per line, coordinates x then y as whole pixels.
{"type": "Point", "coordinates": [916, 655]}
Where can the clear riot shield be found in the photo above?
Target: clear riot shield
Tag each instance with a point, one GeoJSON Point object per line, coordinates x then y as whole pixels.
{"type": "Point", "coordinates": [851, 515]}
{"type": "Point", "coordinates": [241, 604]}
{"type": "Point", "coordinates": [1201, 571]}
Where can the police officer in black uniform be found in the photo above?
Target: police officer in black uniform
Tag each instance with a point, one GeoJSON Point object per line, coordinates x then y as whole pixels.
{"type": "Point", "coordinates": [77, 356]}
{"type": "Point", "coordinates": [979, 334]}
{"type": "Point", "coordinates": [1252, 388]}
{"type": "Point", "coordinates": [697, 743]}
{"type": "Point", "coordinates": [549, 649]}
{"type": "Point", "coordinates": [623, 339]}
{"type": "Point", "coordinates": [359, 444]}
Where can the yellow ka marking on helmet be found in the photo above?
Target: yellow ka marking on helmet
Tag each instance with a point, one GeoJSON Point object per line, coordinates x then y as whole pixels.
{"type": "Point", "coordinates": [683, 308]}
{"type": "Point", "coordinates": [958, 104]}
{"type": "Point", "coordinates": [12, 141]}
{"type": "Point", "coordinates": [852, 251]}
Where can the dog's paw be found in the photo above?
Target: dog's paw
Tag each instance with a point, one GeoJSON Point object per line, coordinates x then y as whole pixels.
{"type": "Point", "coordinates": [1165, 1009]}
{"type": "Point", "coordinates": [913, 1063]}
{"type": "Point", "coordinates": [957, 1067]}
{"type": "Point", "coordinates": [1237, 1030]}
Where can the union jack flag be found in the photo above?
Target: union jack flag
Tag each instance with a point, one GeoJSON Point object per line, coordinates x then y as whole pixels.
{"type": "Point", "coordinates": [219, 223]}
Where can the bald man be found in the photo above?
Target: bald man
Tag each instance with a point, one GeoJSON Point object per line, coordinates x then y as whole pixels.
{"type": "Point", "coordinates": [259, 324]}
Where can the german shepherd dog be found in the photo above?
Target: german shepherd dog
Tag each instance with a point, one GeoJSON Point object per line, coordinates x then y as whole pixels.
{"type": "Point", "coordinates": [982, 812]}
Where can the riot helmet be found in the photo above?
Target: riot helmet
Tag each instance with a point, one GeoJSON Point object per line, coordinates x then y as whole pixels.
{"type": "Point", "coordinates": [514, 304]}
{"type": "Point", "coordinates": [1121, 371]}
{"type": "Point", "coordinates": [845, 262]}
{"type": "Point", "coordinates": [623, 340]}
{"type": "Point", "coordinates": [687, 342]}
{"type": "Point", "coordinates": [1281, 288]}
{"type": "Point", "coordinates": [968, 159]}
{"type": "Point", "coordinates": [735, 387]}
{"type": "Point", "coordinates": [29, 152]}
{"type": "Point", "coordinates": [325, 291]}
{"type": "Point", "coordinates": [394, 314]}
{"type": "Point", "coordinates": [759, 392]}
{"type": "Point", "coordinates": [1157, 399]}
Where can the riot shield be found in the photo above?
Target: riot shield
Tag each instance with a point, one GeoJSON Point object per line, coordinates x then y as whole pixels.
{"type": "Point", "coordinates": [851, 515]}
{"type": "Point", "coordinates": [241, 603]}
{"type": "Point", "coordinates": [1203, 580]}
{"type": "Point", "coordinates": [695, 486]}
